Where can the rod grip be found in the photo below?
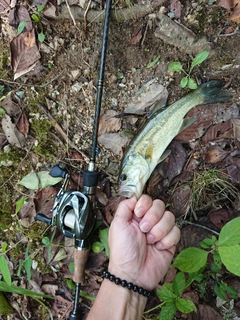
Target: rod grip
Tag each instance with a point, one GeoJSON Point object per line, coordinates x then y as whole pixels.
{"type": "Point", "coordinates": [80, 260]}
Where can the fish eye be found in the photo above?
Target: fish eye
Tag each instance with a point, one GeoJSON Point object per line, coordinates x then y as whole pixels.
{"type": "Point", "coordinates": [123, 177]}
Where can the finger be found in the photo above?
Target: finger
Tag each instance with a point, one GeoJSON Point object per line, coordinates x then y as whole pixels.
{"type": "Point", "coordinates": [143, 205]}
{"type": "Point", "coordinates": [162, 228]}
{"type": "Point", "coordinates": [170, 240]}
{"type": "Point", "coordinates": [152, 216]}
{"type": "Point", "coordinates": [126, 208]}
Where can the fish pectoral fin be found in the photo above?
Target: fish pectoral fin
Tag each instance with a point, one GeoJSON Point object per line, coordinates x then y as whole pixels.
{"type": "Point", "coordinates": [165, 154]}
{"type": "Point", "coordinates": [187, 122]}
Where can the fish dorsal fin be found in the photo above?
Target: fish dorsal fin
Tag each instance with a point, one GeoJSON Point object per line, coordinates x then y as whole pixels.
{"type": "Point", "coordinates": [187, 122]}
{"type": "Point", "coordinates": [159, 105]}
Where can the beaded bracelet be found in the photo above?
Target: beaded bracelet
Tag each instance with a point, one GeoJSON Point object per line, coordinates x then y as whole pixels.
{"type": "Point", "coordinates": [128, 285]}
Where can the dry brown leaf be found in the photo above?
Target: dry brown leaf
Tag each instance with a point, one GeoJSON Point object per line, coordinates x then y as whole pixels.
{"type": "Point", "coordinates": [108, 123]}
{"type": "Point", "coordinates": [235, 16]}
{"type": "Point", "coordinates": [226, 4]}
{"type": "Point", "coordinates": [207, 115]}
{"type": "Point", "coordinates": [175, 7]}
{"type": "Point", "coordinates": [3, 140]}
{"type": "Point", "coordinates": [13, 136]}
{"type": "Point", "coordinates": [44, 200]}
{"type": "Point", "coordinates": [114, 142]}
{"type": "Point", "coordinates": [4, 6]}
{"type": "Point", "coordinates": [22, 124]}
{"type": "Point", "coordinates": [215, 154]}
{"type": "Point", "coordinates": [215, 132]}
{"type": "Point", "coordinates": [12, 108]}
{"type": "Point", "coordinates": [136, 38]}
{"type": "Point", "coordinates": [220, 217]}
{"type": "Point", "coordinates": [24, 51]}
{"type": "Point", "coordinates": [180, 202]}
{"type": "Point", "coordinates": [236, 128]}
{"type": "Point", "coordinates": [19, 14]}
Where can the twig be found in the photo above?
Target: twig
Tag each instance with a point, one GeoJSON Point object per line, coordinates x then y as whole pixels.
{"type": "Point", "coordinates": [85, 14]}
{"type": "Point", "coordinates": [201, 226]}
{"type": "Point", "coordinates": [70, 13]}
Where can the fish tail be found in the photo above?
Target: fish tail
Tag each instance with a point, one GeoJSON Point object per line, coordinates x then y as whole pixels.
{"type": "Point", "coordinates": [212, 92]}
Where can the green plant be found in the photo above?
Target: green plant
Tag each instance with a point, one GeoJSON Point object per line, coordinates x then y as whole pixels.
{"type": "Point", "coordinates": [99, 246]}
{"type": "Point", "coordinates": [188, 81]}
{"type": "Point", "coordinates": [225, 251]}
{"type": "Point", "coordinates": [36, 17]}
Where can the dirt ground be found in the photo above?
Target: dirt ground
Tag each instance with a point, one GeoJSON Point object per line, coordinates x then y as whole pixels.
{"type": "Point", "coordinates": [61, 100]}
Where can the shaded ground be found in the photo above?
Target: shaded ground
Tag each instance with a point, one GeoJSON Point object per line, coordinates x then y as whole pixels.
{"type": "Point", "coordinates": [64, 92]}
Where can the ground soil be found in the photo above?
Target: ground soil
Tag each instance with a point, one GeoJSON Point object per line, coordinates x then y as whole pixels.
{"type": "Point", "coordinates": [66, 90]}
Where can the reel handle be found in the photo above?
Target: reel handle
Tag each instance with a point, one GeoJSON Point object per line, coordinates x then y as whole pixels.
{"type": "Point", "coordinates": [80, 260]}
{"type": "Point", "coordinates": [41, 217]}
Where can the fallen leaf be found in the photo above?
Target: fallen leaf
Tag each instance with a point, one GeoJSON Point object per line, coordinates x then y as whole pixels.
{"type": "Point", "coordinates": [207, 115]}
{"type": "Point", "coordinates": [173, 164]}
{"type": "Point", "coordinates": [114, 142]}
{"type": "Point", "coordinates": [44, 200]}
{"type": "Point", "coordinates": [235, 16]}
{"type": "Point", "coordinates": [39, 180]}
{"type": "Point", "coordinates": [11, 107]}
{"type": "Point", "coordinates": [220, 217]}
{"type": "Point", "coordinates": [214, 154]}
{"type": "Point", "coordinates": [226, 4]}
{"type": "Point", "coordinates": [22, 124]}
{"type": "Point", "coordinates": [4, 6]}
{"type": "Point", "coordinates": [3, 141]}
{"type": "Point", "coordinates": [236, 128]}
{"type": "Point", "coordinates": [19, 14]}
{"type": "Point", "coordinates": [216, 131]}
{"type": "Point", "coordinates": [137, 36]}
{"type": "Point", "coordinates": [13, 136]}
{"type": "Point", "coordinates": [75, 155]}
{"type": "Point", "coordinates": [24, 52]}
{"type": "Point", "coordinates": [175, 7]}
{"type": "Point", "coordinates": [108, 123]}
{"type": "Point", "coordinates": [147, 97]}
{"type": "Point", "coordinates": [180, 201]}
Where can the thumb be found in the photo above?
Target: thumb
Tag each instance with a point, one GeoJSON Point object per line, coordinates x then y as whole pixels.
{"type": "Point", "coordinates": [126, 208]}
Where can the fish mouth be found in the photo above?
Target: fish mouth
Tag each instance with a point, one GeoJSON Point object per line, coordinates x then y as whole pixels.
{"type": "Point", "coordinates": [127, 191]}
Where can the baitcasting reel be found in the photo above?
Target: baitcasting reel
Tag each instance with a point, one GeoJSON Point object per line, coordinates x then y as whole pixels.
{"type": "Point", "coordinates": [73, 214]}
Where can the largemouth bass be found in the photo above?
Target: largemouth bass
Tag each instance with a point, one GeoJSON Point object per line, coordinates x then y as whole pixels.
{"type": "Point", "coordinates": [148, 147]}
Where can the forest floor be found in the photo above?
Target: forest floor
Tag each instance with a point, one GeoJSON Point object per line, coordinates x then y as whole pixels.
{"type": "Point", "coordinates": [48, 120]}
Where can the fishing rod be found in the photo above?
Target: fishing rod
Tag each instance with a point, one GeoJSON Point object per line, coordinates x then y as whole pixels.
{"type": "Point", "coordinates": [72, 211]}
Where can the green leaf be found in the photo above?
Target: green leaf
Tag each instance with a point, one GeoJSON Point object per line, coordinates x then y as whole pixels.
{"type": "Point", "coordinates": [191, 259]}
{"type": "Point", "coordinates": [166, 295]}
{"type": "Point", "coordinates": [5, 308]}
{"type": "Point", "coordinates": [37, 181]}
{"type": "Point", "coordinates": [35, 17]}
{"type": "Point", "coordinates": [103, 235]}
{"type": "Point", "coordinates": [4, 247]}
{"type": "Point", "coordinates": [97, 247]}
{"type": "Point", "coordinates": [192, 84]}
{"type": "Point", "coordinates": [21, 26]}
{"type": "Point", "coordinates": [70, 284]}
{"type": "Point", "coordinates": [208, 242]}
{"type": "Point", "coordinates": [184, 82]}
{"type": "Point", "coordinates": [185, 305]}
{"type": "Point", "coordinates": [199, 58]}
{"type": "Point", "coordinates": [152, 64]}
{"type": "Point", "coordinates": [230, 258]}
{"type": "Point", "coordinates": [168, 311]}
{"type": "Point", "coordinates": [71, 267]}
{"type": "Point", "coordinates": [179, 283]}
{"type": "Point", "coordinates": [1, 88]}
{"type": "Point", "coordinates": [175, 66]}
{"type": "Point", "coordinates": [19, 204]}
{"type": "Point", "coordinates": [219, 292]}
{"type": "Point", "coordinates": [41, 36]}
{"type": "Point", "coordinates": [230, 233]}
{"type": "Point", "coordinates": [40, 9]}
{"type": "Point", "coordinates": [5, 270]}
{"type": "Point", "coordinates": [27, 266]}
{"type": "Point", "coordinates": [15, 289]}
{"type": "Point", "coordinates": [2, 112]}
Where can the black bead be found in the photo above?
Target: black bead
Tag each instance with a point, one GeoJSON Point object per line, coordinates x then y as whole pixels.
{"type": "Point", "coordinates": [135, 288]}
{"type": "Point", "coordinates": [107, 275]}
{"type": "Point", "coordinates": [117, 280]}
{"type": "Point", "coordinates": [140, 290]}
{"type": "Point", "coordinates": [124, 283]}
{"type": "Point", "coordinates": [130, 285]}
{"type": "Point", "coordinates": [145, 293]}
{"type": "Point", "coordinates": [111, 277]}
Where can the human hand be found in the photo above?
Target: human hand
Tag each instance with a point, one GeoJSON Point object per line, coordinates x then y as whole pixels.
{"type": "Point", "coordinates": [142, 240]}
